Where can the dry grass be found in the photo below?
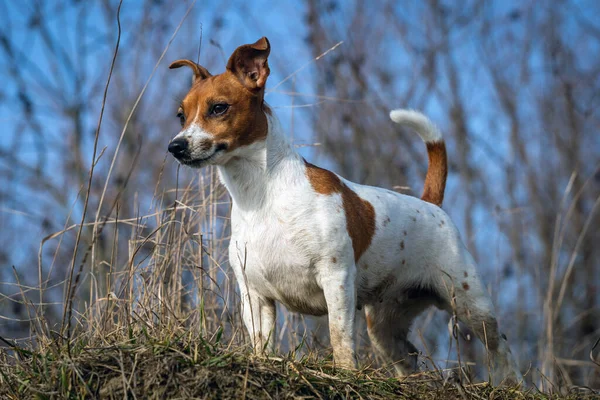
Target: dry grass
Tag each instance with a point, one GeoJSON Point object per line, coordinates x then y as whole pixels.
{"type": "Point", "coordinates": [182, 364]}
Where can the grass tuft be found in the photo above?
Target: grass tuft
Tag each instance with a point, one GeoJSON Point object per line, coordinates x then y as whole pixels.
{"type": "Point", "coordinates": [180, 365]}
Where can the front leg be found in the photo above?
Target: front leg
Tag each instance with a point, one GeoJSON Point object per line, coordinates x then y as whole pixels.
{"type": "Point", "coordinates": [338, 282]}
{"type": "Point", "coordinates": [258, 313]}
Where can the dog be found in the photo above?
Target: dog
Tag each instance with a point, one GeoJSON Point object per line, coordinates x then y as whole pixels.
{"type": "Point", "coordinates": [320, 244]}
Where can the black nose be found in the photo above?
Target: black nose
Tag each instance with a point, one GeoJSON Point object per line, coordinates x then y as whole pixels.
{"type": "Point", "coordinates": [178, 147]}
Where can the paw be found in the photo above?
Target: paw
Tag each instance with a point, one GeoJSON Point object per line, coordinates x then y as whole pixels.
{"type": "Point", "coordinates": [510, 378]}
{"type": "Point", "coordinates": [346, 362]}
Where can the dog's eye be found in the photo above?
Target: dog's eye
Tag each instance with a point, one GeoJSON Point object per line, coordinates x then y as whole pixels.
{"type": "Point", "coordinates": [181, 117]}
{"type": "Point", "coordinates": [219, 109]}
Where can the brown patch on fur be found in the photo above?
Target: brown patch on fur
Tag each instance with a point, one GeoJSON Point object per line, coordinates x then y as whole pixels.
{"type": "Point", "coordinates": [465, 274]}
{"type": "Point", "coordinates": [360, 214]}
{"type": "Point", "coordinates": [403, 262]}
{"type": "Point", "coordinates": [249, 63]}
{"type": "Point", "coordinates": [333, 260]}
{"type": "Point", "coordinates": [437, 172]}
{"type": "Point", "coordinates": [370, 322]}
{"type": "Point", "coordinates": [244, 123]}
{"type": "Point", "coordinates": [241, 87]}
{"type": "Point", "coordinates": [402, 245]}
{"type": "Point", "coordinates": [199, 71]}
{"type": "Point", "coordinates": [466, 286]}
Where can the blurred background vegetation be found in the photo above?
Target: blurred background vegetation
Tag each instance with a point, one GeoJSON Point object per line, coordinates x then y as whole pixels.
{"type": "Point", "coordinates": [514, 86]}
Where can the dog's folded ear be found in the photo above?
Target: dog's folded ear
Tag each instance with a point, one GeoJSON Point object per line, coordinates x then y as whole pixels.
{"type": "Point", "coordinates": [199, 71]}
{"type": "Point", "coordinates": [249, 63]}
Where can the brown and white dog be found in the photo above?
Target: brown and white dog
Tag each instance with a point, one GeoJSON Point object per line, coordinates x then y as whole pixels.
{"type": "Point", "coordinates": [319, 244]}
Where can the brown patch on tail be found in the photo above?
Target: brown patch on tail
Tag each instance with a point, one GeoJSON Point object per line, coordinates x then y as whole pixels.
{"type": "Point", "coordinates": [435, 181]}
{"type": "Point", "coordinates": [360, 214]}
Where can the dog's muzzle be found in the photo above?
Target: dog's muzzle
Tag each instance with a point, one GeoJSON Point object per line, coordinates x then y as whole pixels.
{"type": "Point", "coordinates": [179, 148]}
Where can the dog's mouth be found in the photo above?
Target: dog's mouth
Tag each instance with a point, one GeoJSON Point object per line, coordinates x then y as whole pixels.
{"type": "Point", "coordinates": [201, 162]}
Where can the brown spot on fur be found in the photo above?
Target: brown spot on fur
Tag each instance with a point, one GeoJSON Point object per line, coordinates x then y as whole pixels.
{"type": "Point", "coordinates": [402, 245]}
{"type": "Point", "coordinates": [403, 262]}
{"type": "Point", "coordinates": [360, 214]}
{"type": "Point", "coordinates": [465, 286]}
{"type": "Point", "coordinates": [437, 172]}
{"type": "Point", "coordinates": [370, 321]}
{"type": "Point", "coordinates": [341, 286]}
{"type": "Point", "coordinates": [466, 274]}
{"type": "Point", "coordinates": [333, 260]}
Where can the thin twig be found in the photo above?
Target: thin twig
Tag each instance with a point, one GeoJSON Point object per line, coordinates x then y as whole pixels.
{"type": "Point", "coordinates": [91, 175]}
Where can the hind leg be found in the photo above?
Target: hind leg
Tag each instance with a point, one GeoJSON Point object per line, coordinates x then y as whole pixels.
{"type": "Point", "coordinates": [474, 308]}
{"type": "Point", "coordinates": [388, 330]}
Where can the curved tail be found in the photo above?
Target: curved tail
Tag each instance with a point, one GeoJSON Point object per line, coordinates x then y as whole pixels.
{"type": "Point", "coordinates": [435, 181]}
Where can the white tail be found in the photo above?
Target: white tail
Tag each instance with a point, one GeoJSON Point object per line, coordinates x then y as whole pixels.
{"type": "Point", "coordinates": [418, 122]}
{"type": "Point", "coordinates": [437, 171]}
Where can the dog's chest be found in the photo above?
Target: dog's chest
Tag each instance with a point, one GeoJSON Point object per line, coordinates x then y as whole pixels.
{"type": "Point", "coordinates": [278, 259]}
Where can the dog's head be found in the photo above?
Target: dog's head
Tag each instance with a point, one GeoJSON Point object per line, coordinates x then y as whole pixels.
{"type": "Point", "coordinates": [223, 113]}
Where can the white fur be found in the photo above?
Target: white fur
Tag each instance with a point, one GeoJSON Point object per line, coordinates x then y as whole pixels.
{"type": "Point", "coordinates": [428, 131]}
{"type": "Point", "coordinates": [285, 238]}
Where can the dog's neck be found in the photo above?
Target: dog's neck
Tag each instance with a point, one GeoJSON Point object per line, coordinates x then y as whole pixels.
{"type": "Point", "coordinates": [259, 169]}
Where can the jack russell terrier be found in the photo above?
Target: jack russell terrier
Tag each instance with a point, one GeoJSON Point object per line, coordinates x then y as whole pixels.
{"type": "Point", "coordinates": [319, 244]}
